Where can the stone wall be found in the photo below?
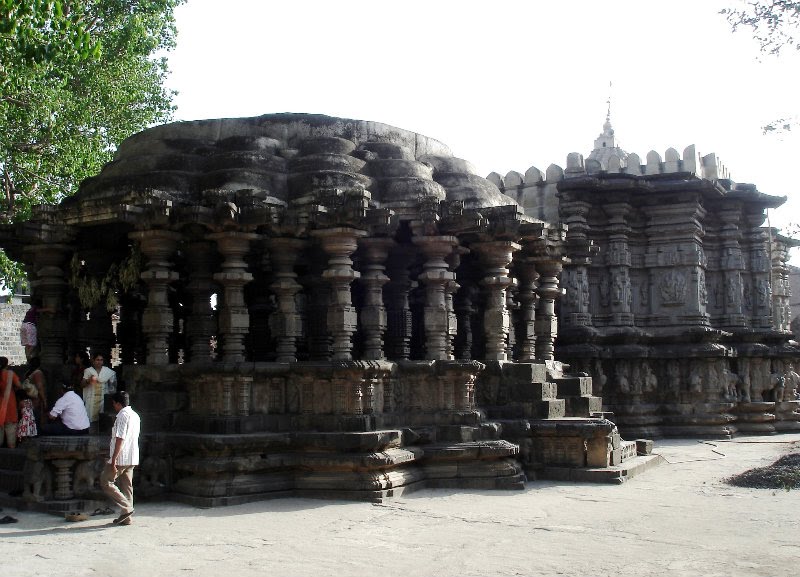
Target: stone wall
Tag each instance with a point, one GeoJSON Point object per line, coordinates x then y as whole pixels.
{"type": "Point", "coordinates": [11, 314]}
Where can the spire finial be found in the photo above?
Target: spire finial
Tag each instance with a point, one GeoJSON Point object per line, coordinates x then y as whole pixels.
{"type": "Point", "coordinates": [608, 113]}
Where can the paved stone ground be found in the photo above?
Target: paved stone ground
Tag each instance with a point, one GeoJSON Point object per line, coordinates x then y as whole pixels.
{"type": "Point", "coordinates": [679, 519]}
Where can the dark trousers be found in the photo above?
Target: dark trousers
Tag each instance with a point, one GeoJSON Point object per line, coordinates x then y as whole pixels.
{"type": "Point", "coordinates": [59, 428]}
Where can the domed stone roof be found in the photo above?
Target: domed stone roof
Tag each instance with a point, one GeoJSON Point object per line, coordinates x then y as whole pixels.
{"type": "Point", "coordinates": [282, 159]}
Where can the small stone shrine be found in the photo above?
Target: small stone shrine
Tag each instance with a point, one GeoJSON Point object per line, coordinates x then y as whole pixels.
{"type": "Point", "coordinates": [677, 296]}
{"type": "Point", "coordinates": [317, 306]}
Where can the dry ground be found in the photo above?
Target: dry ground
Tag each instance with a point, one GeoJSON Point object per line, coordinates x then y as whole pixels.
{"type": "Point", "coordinates": [679, 519]}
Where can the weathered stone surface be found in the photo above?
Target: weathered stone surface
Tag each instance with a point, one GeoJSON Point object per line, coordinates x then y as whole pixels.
{"type": "Point", "coordinates": [376, 305]}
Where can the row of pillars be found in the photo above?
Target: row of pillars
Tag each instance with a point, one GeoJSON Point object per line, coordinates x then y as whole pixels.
{"type": "Point", "coordinates": [536, 293]}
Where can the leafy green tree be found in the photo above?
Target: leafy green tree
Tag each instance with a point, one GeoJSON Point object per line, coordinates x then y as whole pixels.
{"type": "Point", "coordinates": [76, 77]}
{"type": "Point", "coordinates": [774, 24]}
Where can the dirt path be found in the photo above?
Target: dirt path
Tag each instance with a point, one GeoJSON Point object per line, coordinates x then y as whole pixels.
{"type": "Point", "coordinates": [677, 519]}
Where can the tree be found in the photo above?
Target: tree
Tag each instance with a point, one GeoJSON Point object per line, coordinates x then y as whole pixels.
{"type": "Point", "coordinates": [76, 77]}
{"type": "Point", "coordinates": [774, 25]}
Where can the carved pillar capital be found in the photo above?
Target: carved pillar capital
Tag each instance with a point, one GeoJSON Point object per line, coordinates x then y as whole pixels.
{"type": "Point", "coordinates": [339, 244]}
{"type": "Point", "coordinates": [158, 246]}
{"type": "Point", "coordinates": [234, 319]}
{"type": "Point", "coordinates": [495, 257]}
{"type": "Point", "coordinates": [436, 277]}
{"type": "Point", "coordinates": [373, 313]}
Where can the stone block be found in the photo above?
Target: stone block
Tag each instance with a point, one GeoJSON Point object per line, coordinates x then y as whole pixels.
{"type": "Point", "coordinates": [583, 406]}
{"type": "Point", "coordinates": [644, 446]}
{"type": "Point", "coordinates": [531, 391]}
{"type": "Point", "coordinates": [550, 409]}
{"type": "Point", "coordinates": [559, 451]}
{"type": "Point", "coordinates": [628, 449]}
{"type": "Point", "coordinates": [598, 452]}
{"type": "Point", "coordinates": [616, 457]}
{"type": "Point", "coordinates": [456, 434]}
{"type": "Point", "coordinates": [524, 372]}
{"type": "Point", "coordinates": [574, 386]}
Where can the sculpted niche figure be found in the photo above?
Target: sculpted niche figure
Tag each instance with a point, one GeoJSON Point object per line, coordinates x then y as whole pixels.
{"type": "Point", "coordinates": [695, 378]}
{"type": "Point", "coordinates": [730, 382]}
{"type": "Point", "coordinates": [650, 381]}
{"type": "Point", "coordinates": [623, 381]}
{"type": "Point", "coordinates": [703, 291]}
{"type": "Point", "coordinates": [673, 379]}
{"type": "Point", "coordinates": [673, 288]}
{"type": "Point", "coordinates": [599, 382]}
{"type": "Point", "coordinates": [791, 382]}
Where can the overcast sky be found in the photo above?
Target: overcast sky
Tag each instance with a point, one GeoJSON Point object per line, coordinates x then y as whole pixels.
{"type": "Point", "coordinates": [505, 84]}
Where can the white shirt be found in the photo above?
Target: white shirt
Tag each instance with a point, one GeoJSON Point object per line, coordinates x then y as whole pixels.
{"type": "Point", "coordinates": [126, 427]}
{"type": "Point", "coordinates": [73, 413]}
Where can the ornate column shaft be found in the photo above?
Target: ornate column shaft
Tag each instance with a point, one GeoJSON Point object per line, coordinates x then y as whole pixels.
{"type": "Point", "coordinates": [496, 256]}
{"type": "Point", "coordinates": [398, 311]}
{"type": "Point", "coordinates": [285, 322]}
{"type": "Point", "coordinates": [234, 319]}
{"type": "Point", "coordinates": [435, 276]}
{"type": "Point", "coordinates": [51, 285]}
{"type": "Point", "coordinates": [339, 244]}
{"type": "Point", "coordinates": [528, 299]}
{"type": "Point", "coordinates": [546, 322]}
{"type": "Point", "coordinates": [200, 324]}
{"type": "Point", "coordinates": [158, 246]}
{"type": "Point", "coordinates": [373, 313]}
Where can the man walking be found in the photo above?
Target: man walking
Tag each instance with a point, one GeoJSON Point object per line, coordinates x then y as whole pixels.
{"type": "Point", "coordinates": [116, 479]}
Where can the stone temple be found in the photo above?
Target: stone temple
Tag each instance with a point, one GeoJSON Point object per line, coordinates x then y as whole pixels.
{"type": "Point", "coordinates": [322, 306]}
{"type": "Point", "coordinates": [676, 295]}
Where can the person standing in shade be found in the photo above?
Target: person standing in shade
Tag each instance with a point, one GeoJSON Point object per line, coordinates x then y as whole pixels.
{"type": "Point", "coordinates": [28, 330]}
{"type": "Point", "coordinates": [9, 382]}
{"type": "Point", "coordinates": [116, 480]}
{"type": "Point", "coordinates": [98, 381]}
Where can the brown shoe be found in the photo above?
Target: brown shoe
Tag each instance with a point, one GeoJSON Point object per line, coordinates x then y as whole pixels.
{"type": "Point", "coordinates": [123, 517]}
{"type": "Point", "coordinates": [126, 521]}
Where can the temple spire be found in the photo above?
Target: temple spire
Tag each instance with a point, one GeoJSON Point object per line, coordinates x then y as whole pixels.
{"type": "Point", "coordinates": [605, 145]}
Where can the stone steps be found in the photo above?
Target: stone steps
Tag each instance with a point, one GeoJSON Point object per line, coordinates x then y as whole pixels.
{"type": "Point", "coordinates": [12, 465]}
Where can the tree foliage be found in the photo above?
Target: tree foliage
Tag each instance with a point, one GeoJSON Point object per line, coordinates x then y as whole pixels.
{"type": "Point", "coordinates": [76, 77]}
{"type": "Point", "coordinates": [774, 24]}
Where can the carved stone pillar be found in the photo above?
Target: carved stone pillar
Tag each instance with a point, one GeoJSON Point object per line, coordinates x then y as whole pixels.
{"type": "Point", "coordinates": [200, 323]}
{"type": "Point", "coordinates": [528, 299]}
{"type": "Point", "coordinates": [546, 325]}
{"type": "Point", "coordinates": [759, 285]}
{"type": "Point", "coordinates": [63, 479]}
{"type": "Point", "coordinates": [728, 296]}
{"type": "Point", "coordinates": [285, 322]}
{"type": "Point", "coordinates": [234, 319]}
{"type": "Point", "coordinates": [496, 256]}
{"type": "Point", "coordinates": [398, 310]}
{"type": "Point", "coordinates": [618, 262]}
{"type": "Point", "coordinates": [158, 246]}
{"type": "Point", "coordinates": [226, 408]}
{"type": "Point", "coordinates": [339, 244]}
{"type": "Point", "coordinates": [373, 313]}
{"type": "Point", "coordinates": [435, 276]}
{"type": "Point", "coordinates": [465, 306]}
{"type": "Point", "coordinates": [51, 285]}
{"type": "Point", "coordinates": [245, 383]}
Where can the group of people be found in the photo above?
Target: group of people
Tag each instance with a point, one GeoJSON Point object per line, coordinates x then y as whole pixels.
{"type": "Point", "coordinates": [74, 413]}
{"type": "Point", "coordinates": [24, 408]}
